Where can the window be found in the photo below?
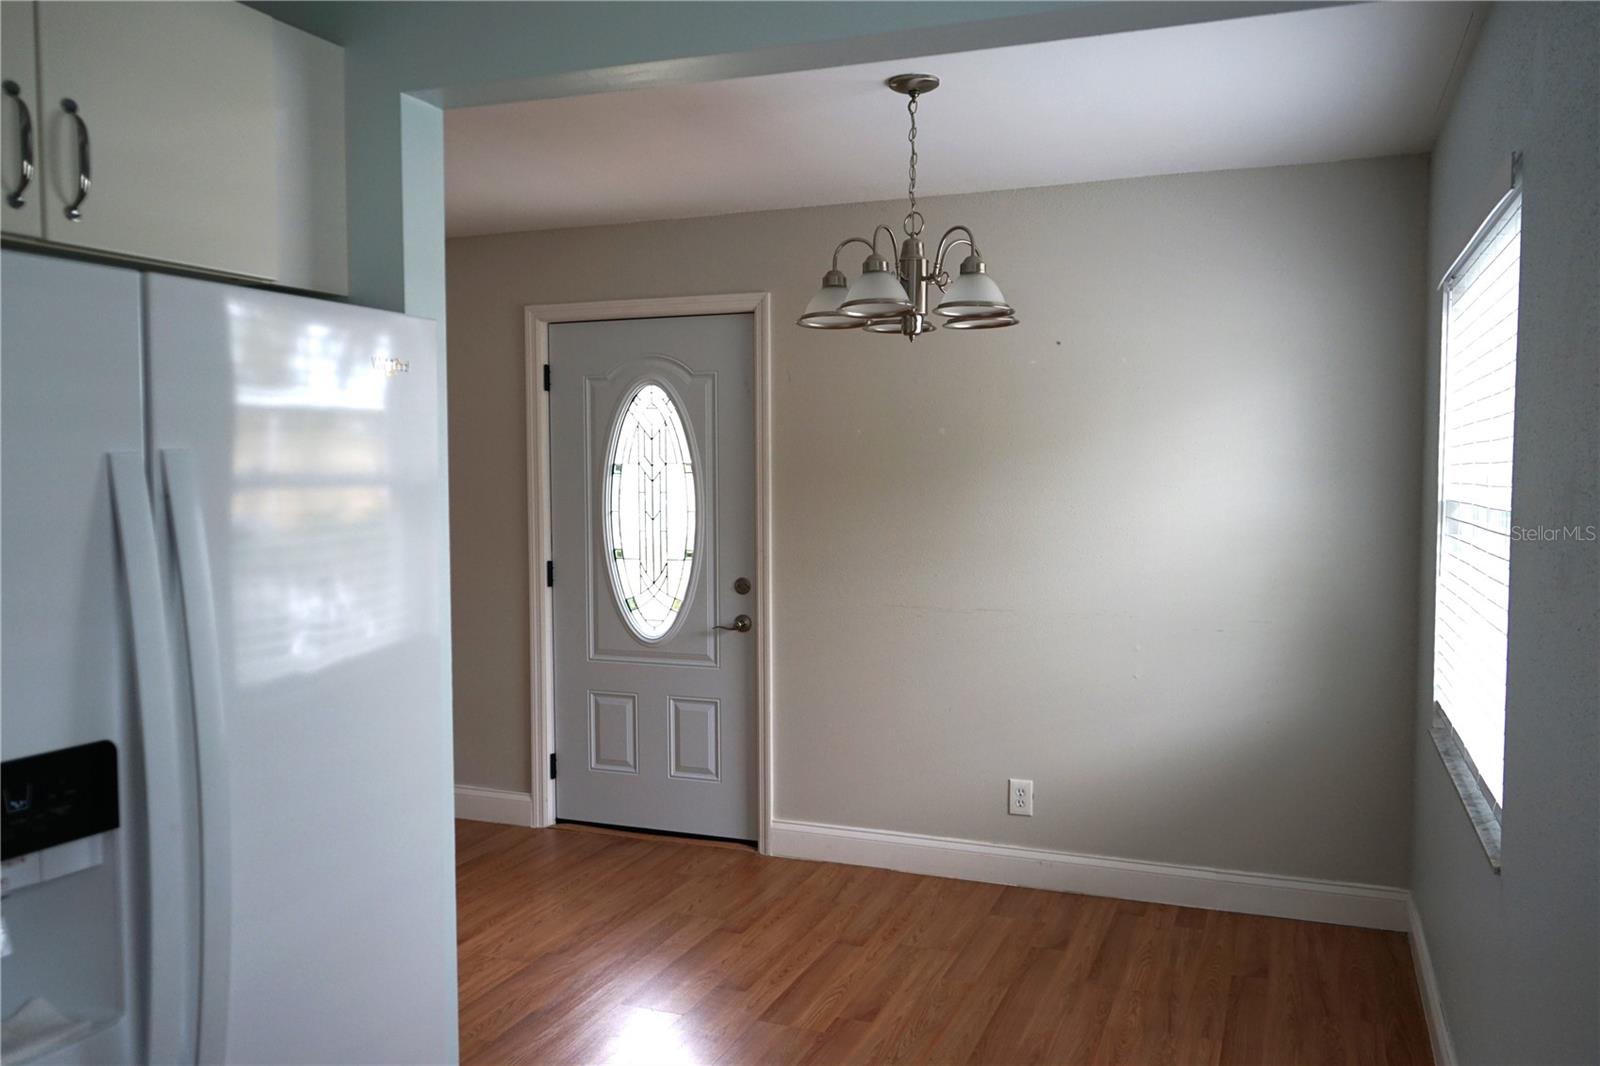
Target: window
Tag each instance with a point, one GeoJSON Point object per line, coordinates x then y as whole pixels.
{"type": "Point", "coordinates": [1476, 415]}
{"type": "Point", "coordinates": [650, 512]}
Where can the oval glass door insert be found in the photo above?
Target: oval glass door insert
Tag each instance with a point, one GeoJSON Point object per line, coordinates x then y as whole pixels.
{"type": "Point", "coordinates": [650, 512]}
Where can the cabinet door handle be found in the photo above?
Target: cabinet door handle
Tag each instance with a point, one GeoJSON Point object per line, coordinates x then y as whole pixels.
{"type": "Point", "coordinates": [24, 135]}
{"type": "Point", "coordinates": [70, 106]}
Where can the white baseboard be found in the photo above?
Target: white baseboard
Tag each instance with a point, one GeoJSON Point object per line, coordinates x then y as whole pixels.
{"type": "Point", "coordinates": [1370, 906]}
{"type": "Point", "coordinates": [1444, 1050]}
{"type": "Point", "coordinates": [493, 805]}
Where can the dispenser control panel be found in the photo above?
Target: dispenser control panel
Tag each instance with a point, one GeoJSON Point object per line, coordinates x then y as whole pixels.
{"type": "Point", "coordinates": [58, 797]}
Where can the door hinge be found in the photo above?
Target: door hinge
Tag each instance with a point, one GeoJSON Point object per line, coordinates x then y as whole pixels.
{"type": "Point", "coordinates": [547, 377]}
{"type": "Point", "coordinates": [552, 766]}
{"type": "Point", "coordinates": [550, 574]}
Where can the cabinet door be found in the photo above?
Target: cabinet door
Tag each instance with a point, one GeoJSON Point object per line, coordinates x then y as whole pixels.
{"type": "Point", "coordinates": [177, 105]}
{"type": "Point", "coordinates": [18, 110]}
{"type": "Point", "coordinates": [311, 211]}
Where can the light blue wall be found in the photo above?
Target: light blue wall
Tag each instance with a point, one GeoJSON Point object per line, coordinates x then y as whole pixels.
{"type": "Point", "coordinates": [422, 207]}
{"type": "Point", "coordinates": [1517, 955]}
{"type": "Point", "coordinates": [460, 54]}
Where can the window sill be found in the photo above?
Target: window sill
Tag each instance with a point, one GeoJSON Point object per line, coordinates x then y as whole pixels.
{"type": "Point", "coordinates": [1481, 808]}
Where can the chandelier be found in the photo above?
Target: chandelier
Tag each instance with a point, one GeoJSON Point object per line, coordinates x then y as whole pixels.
{"type": "Point", "coordinates": [887, 299]}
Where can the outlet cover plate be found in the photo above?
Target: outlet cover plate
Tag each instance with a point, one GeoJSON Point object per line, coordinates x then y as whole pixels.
{"type": "Point", "coordinates": [1019, 792]}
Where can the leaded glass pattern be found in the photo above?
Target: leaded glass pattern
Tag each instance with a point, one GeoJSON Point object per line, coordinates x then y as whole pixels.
{"type": "Point", "coordinates": [650, 512]}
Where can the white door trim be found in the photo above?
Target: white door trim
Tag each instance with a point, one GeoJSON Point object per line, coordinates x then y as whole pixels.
{"type": "Point", "coordinates": [538, 318]}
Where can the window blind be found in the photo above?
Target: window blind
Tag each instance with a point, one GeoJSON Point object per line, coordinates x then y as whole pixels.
{"type": "Point", "coordinates": [1477, 406]}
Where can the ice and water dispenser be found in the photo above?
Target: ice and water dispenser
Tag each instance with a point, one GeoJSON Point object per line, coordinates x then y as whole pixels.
{"type": "Point", "coordinates": [62, 977]}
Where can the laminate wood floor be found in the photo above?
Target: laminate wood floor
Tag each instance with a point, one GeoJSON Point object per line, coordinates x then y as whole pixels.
{"type": "Point", "coordinates": [589, 947]}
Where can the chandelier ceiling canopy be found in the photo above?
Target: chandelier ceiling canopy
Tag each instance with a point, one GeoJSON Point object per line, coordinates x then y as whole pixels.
{"type": "Point", "coordinates": [893, 298]}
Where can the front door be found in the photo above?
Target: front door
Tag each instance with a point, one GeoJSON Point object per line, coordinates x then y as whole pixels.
{"type": "Point", "coordinates": [652, 477]}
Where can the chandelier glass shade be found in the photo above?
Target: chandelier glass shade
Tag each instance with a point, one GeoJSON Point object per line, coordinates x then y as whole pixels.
{"type": "Point", "coordinates": [823, 310]}
{"type": "Point", "coordinates": [894, 297]}
{"type": "Point", "coordinates": [877, 293]}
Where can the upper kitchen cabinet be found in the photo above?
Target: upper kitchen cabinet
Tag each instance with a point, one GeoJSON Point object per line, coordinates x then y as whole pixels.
{"type": "Point", "coordinates": [312, 239]}
{"type": "Point", "coordinates": [160, 126]}
{"type": "Point", "coordinates": [204, 135]}
{"type": "Point", "coordinates": [19, 213]}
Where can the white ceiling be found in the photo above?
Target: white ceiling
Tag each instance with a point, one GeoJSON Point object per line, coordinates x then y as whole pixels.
{"type": "Point", "coordinates": [1308, 86]}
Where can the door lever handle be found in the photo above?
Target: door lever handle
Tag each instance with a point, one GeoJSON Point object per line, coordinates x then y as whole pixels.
{"type": "Point", "coordinates": [741, 624]}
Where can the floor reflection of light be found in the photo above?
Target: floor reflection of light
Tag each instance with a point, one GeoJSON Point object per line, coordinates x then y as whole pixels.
{"type": "Point", "coordinates": [648, 1038]}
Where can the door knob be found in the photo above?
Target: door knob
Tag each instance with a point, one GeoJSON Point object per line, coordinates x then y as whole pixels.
{"type": "Point", "coordinates": [741, 624]}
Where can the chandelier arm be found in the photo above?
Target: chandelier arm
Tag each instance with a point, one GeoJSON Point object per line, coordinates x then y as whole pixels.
{"type": "Point", "coordinates": [847, 242]}
{"type": "Point", "coordinates": [940, 277]}
{"type": "Point", "coordinates": [946, 245]}
{"type": "Point", "coordinates": [881, 228]}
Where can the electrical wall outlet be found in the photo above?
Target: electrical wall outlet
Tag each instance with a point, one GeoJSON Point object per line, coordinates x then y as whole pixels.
{"type": "Point", "coordinates": [1020, 793]}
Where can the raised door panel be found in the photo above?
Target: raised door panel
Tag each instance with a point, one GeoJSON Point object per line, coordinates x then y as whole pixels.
{"type": "Point", "coordinates": [613, 732]}
{"type": "Point", "coordinates": [178, 105]}
{"type": "Point", "coordinates": [693, 725]}
{"type": "Point", "coordinates": [19, 110]}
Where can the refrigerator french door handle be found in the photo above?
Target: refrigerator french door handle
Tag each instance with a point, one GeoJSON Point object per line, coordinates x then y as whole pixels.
{"type": "Point", "coordinates": [210, 726]}
{"type": "Point", "coordinates": [167, 1028]}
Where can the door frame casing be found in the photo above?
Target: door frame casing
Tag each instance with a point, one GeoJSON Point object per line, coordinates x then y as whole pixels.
{"type": "Point", "coordinates": [541, 613]}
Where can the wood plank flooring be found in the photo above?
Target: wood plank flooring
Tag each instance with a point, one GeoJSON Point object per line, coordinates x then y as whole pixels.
{"type": "Point", "coordinates": [589, 947]}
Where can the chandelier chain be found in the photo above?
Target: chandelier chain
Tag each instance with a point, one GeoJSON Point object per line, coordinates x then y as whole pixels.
{"type": "Point", "coordinates": [913, 222]}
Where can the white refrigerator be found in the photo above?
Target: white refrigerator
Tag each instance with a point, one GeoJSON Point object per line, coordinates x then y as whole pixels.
{"type": "Point", "coordinates": [224, 696]}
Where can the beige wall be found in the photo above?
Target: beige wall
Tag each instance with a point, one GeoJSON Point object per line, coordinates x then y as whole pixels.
{"type": "Point", "coordinates": [1517, 953]}
{"type": "Point", "coordinates": [1154, 548]}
